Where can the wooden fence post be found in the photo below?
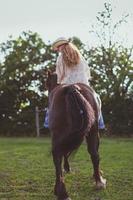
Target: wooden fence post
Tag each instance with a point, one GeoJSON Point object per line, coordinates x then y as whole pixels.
{"type": "Point", "coordinates": [37, 121]}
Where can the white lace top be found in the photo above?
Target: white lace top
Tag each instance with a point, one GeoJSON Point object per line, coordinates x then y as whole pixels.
{"type": "Point", "coordinates": [77, 74]}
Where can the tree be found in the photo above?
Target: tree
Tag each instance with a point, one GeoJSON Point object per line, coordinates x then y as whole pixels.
{"type": "Point", "coordinates": [23, 72]}
{"type": "Point", "coordinates": [112, 72]}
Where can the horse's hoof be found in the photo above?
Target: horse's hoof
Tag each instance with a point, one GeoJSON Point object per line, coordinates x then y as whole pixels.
{"type": "Point", "coordinates": [101, 184]}
{"type": "Point", "coordinates": [93, 176]}
{"type": "Point", "coordinates": [67, 171]}
{"type": "Point", "coordinates": [68, 198]}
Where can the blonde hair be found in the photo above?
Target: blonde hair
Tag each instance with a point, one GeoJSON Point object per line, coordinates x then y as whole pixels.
{"type": "Point", "coordinates": [71, 55]}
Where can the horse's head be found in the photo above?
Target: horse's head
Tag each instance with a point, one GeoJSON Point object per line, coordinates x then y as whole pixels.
{"type": "Point", "coordinates": [51, 81]}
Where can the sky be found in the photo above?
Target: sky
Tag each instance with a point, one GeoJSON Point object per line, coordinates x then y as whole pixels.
{"type": "Point", "coordinates": [56, 18]}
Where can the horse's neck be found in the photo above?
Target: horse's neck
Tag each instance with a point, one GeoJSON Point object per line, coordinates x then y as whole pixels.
{"type": "Point", "coordinates": [53, 85]}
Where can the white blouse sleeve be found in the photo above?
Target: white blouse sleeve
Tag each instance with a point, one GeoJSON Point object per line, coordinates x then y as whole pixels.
{"type": "Point", "coordinates": [59, 69]}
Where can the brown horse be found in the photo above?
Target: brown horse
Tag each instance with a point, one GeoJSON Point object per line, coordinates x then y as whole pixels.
{"type": "Point", "coordinates": [73, 116]}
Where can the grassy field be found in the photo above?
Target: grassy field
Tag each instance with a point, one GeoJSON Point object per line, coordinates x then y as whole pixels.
{"type": "Point", "coordinates": [27, 171]}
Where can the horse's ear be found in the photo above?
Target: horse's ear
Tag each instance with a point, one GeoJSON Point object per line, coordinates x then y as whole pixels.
{"type": "Point", "coordinates": [49, 72]}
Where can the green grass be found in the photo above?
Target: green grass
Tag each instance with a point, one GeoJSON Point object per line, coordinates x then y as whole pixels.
{"type": "Point", "coordinates": [27, 171]}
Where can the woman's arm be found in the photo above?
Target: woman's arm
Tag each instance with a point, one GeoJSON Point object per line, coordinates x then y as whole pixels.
{"type": "Point", "coordinates": [59, 69]}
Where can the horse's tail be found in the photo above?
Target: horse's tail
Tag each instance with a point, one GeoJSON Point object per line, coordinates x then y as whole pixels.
{"type": "Point", "coordinates": [80, 115]}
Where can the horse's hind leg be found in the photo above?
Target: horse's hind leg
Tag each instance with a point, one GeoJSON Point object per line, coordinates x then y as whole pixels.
{"type": "Point", "coordinates": [93, 145]}
{"type": "Point", "coordinates": [59, 190]}
{"type": "Point", "coordinates": [66, 164]}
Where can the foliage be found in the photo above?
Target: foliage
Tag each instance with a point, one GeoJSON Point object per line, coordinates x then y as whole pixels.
{"type": "Point", "coordinates": [105, 28]}
{"type": "Point", "coordinates": [112, 70]}
{"type": "Point", "coordinates": [23, 73]}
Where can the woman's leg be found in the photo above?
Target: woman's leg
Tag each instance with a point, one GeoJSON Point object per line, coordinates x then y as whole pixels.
{"type": "Point", "coordinates": [46, 120]}
{"type": "Point", "coordinates": [101, 124]}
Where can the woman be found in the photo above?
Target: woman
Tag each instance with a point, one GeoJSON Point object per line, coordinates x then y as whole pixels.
{"type": "Point", "coordinates": [71, 67]}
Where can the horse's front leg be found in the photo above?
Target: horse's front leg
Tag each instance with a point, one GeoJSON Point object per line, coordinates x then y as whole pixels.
{"type": "Point", "coordinates": [59, 190]}
{"type": "Point", "coordinates": [93, 144]}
